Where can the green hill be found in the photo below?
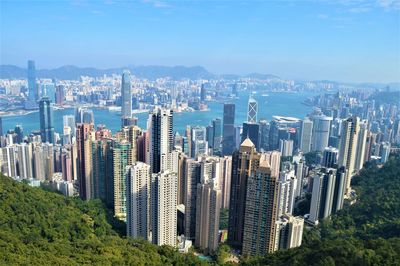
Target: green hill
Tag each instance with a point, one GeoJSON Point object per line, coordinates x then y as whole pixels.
{"type": "Point", "coordinates": [38, 227]}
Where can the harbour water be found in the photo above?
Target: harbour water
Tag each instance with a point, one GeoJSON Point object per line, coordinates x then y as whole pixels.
{"type": "Point", "coordinates": [282, 104]}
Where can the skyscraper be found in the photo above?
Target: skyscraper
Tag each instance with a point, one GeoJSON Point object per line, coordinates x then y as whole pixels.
{"type": "Point", "coordinates": [9, 161]}
{"type": "Point", "coordinates": [19, 132]}
{"type": "Point", "coordinates": [199, 143]}
{"type": "Point", "coordinates": [207, 216]}
{"type": "Point", "coordinates": [244, 163]}
{"type": "Point", "coordinates": [327, 193]}
{"type": "Point", "coordinates": [32, 90]}
{"type": "Point", "coordinates": [286, 147]}
{"type": "Point", "coordinates": [46, 120]}
{"type": "Point", "coordinates": [193, 175]}
{"type": "Point", "coordinates": [126, 95]}
{"type": "Point", "coordinates": [329, 158]}
{"type": "Point", "coordinates": [138, 184]}
{"type": "Point", "coordinates": [289, 232]}
{"type": "Point", "coordinates": [102, 168]}
{"type": "Point", "coordinates": [361, 145]}
{"type": "Point", "coordinates": [217, 136]}
{"type": "Point", "coordinates": [287, 185]}
{"type": "Point", "coordinates": [320, 134]}
{"type": "Point", "coordinates": [226, 162]}
{"type": "Point", "coordinates": [264, 135]}
{"type": "Point", "coordinates": [281, 128]}
{"type": "Point", "coordinates": [163, 208]}
{"type": "Point", "coordinates": [25, 160]}
{"type": "Point", "coordinates": [84, 136]}
{"type": "Point", "coordinates": [259, 231]}
{"type": "Point", "coordinates": [348, 147]}
{"type": "Point", "coordinates": [252, 110]}
{"type": "Point", "coordinates": [160, 127]}
{"type": "Point", "coordinates": [121, 159]}
{"type": "Point", "coordinates": [60, 94]}
{"type": "Point", "coordinates": [1, 126]}
{"type": "Point", "coordinates": [69, 121]}
{"type": "Point", "coordinates": [228, 141]}
{"type": "Point", "coordinates": [306, 134]}
{"type": "Point", "coordinates": [251, 130]}
{"type": "Point", "coordinates": [202, 93]}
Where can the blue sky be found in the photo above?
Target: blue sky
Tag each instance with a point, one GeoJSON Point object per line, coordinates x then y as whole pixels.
{"type": "Point", "coordinates": [345, 40]}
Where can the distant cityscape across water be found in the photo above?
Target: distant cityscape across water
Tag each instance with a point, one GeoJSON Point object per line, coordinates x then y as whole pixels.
{"type": "Point", "coordinates": [282, 104]}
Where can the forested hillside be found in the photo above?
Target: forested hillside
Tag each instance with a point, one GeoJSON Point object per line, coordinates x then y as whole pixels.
{"type": "Point", "coordinates": [43, 228]}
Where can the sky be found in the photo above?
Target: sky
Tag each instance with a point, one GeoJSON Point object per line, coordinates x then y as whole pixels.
{"type": "Point", "coordinates": [343, 40]}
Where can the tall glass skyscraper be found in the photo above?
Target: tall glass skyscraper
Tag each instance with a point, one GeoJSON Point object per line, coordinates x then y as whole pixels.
{"type": "Point", "coordinates": [228, 142]}
{"type": "Point", "coordinates": [126, 94]}
{"type": "Point", "coordinates": [252, 110]}
{"type": "Point", "coordinates": [217, 136]}
{"type": "Point", "coordinates": [46, 120]}
{"type": "Point", "coordinates": [32, 97]}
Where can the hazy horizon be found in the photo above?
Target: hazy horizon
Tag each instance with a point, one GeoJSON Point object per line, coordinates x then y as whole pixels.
{"type": "Point", "coordinates": [346, 40]}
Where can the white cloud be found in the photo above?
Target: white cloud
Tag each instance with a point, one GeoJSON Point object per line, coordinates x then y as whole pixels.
{"type": "Point", "coordinates": [389, 4]}
{"type": "Point", "coordinates": [157, 4]}
{"type": "Point", "coordinates": [322, 16]}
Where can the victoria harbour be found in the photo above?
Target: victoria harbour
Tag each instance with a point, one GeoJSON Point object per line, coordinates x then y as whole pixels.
{"type": "Point", "coordinates": [282, 104]}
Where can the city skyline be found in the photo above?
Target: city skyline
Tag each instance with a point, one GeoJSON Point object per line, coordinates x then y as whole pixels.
{"type": "Point", "coordinates": [349, 41]}
{"type": "Point", "coordinates": [185, 165]}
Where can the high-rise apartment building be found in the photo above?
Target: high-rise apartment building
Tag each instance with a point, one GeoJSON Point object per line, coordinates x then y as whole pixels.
{"type": "Point", "coordinates": [199, 143]}
{"type": "Point", "coordinates": [289, 232]}
{"type": "Point", "coordinates": [330, 156]}
{"type": "Point", "coordinates": [161, 139]}
{"type": "Point", "coordinates": [163, 208]}
{"type": "Point", "coordinates": [138, 185]}
{"type": "Point", "coordinates": [261, 212]}
{"type": "Point", "coordinates": [225, 184]}
{"type": "Point", "coordinates": [121, 159]}
{"type": "Point", "coordinates": [84, 137]}
{"type": "Point", "coordinates": [207, 216]}
{"type": "Point", "coordinates": [327, 193]}
{"type": "Point", "coordinates": [348, 147]}
{"type": "Point", "coordinates": [192, 179]}
{"type": "Point", "coordinates": [25, 160]}
{"type": "Point", "coordinates": [244, 163]}
{"type": "Point", "coordinates": [361, 145]}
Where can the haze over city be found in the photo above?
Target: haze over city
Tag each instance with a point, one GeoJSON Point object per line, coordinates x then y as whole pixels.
{"type": "Point", "coordinates": [224, 133]}
{"type": "Point", "coordinates": [346, 40]}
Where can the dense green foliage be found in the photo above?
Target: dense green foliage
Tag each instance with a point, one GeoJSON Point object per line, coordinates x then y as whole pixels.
{"type": "Point", "coordinates": [38, 227]}
{"type": "Point", "coordinates": [366, 233]}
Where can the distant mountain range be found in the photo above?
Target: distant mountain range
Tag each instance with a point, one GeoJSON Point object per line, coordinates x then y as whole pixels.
{"type": "Point", "coordinates": [149, 72]}
{"type": "Point", "coordinates": [74, 72]}
{"type": "Point", "coordinates": [153, 72]}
